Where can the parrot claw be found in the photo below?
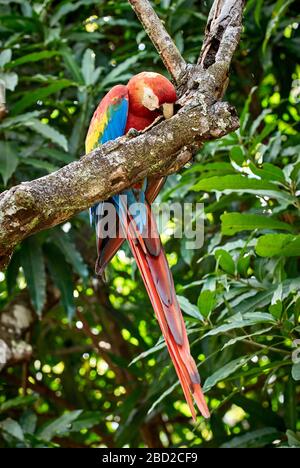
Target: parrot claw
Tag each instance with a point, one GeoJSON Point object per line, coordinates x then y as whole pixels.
{"type": "Point", "coordinates": [132, 133]}
{"type": "Point", "coordinates": [100, 271]}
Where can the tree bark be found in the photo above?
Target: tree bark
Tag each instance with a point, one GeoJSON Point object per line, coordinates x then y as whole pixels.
{"type": "Point", "coordinates": [15, 320]}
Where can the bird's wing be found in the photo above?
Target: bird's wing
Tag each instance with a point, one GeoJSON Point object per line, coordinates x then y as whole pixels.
{"type": "Point", "coordinates": [108, 123]}
{"type": "Point", "coordinates": [109, 119]}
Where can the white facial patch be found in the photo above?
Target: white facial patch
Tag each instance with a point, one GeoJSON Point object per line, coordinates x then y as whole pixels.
{"type": "Point", "coordinates": [149, 99]}
{"type": "Point", "coordinates": [151, 74]}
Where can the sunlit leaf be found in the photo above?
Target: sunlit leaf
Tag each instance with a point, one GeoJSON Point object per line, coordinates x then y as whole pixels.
{"type": "Point", "coordinates": [48, 132]}
{"type": "Point", "coordinates": [31, 98]}
{"type": "Point", "coordinates": [62, 276]}
{"type": "Point", "coordinates": [225, 371]}
{"type": "Point", "coordinates": [236, 222]}
{"type": "Point", "coordinates": [272, 245]}
{"type": "Point", "coordinates": [32, 262]}
{"type": "Point", "coordinates": [8, 159]}
{"type": "Point", "coordinates": [258, 438]}
{"type": "Point", "coordinates": [59, 427]}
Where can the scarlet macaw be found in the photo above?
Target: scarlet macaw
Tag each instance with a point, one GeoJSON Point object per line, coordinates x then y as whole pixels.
{"type": "Point", "coordinates": [136, 106]}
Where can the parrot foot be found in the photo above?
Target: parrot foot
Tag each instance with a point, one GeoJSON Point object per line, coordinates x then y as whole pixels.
{"type": "Point", "coordinates": [100, 271]}
{"type": "Point", "coordinates": [132, 133]}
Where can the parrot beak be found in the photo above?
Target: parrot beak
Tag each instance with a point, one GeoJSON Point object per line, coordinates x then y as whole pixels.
{"type": "Point", "coordinates": [168, 110]}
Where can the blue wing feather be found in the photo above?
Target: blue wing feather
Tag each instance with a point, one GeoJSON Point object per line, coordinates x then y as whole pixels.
{"type": "Point", "coordinates": [117, 118]}
{"type": "Point", "coordinates": [115, 127]}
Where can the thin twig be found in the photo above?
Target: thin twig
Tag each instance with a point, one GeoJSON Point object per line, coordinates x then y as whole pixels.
{"type": "Point", "coordinates": [160, 38]}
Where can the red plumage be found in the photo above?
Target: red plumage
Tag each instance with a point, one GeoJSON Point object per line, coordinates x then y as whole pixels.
{"type": "Point", "coordinates": [146, 94]}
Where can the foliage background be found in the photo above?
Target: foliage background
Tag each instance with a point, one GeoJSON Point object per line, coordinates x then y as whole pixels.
{"type": "Point", "coordinates": [239, 293]}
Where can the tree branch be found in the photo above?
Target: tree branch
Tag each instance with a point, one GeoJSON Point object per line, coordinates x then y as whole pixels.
{"type": "Point", "coordinates": [160, 38]}
{"type": "Point", "coordinates": [50, 200]}
{"type": "Point", "coordinates": [222, 32]}
{"type": "Point", "coordinates": [167, 146]}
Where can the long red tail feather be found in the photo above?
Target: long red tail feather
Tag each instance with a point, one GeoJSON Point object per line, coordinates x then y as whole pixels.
{"type": "Point", "coordinates": [158, 281]}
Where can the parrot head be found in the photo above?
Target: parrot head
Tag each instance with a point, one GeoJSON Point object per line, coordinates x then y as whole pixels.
{"type": "Point", "coordinates": [150, 93]}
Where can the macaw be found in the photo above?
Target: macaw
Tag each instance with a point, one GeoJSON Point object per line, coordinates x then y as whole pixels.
{"type": "Point", "coordinates": [136, 106]}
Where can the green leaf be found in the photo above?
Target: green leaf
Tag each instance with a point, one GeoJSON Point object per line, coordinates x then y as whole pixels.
{"type": "Point", "coordinates": [235, 340]}
{"type": "Point", "coordinates": [32, 97]}
{"type": "Point", "coordinates": [161, 397]}
{"type": "Point", "coordinates": [257, 11]}
{"type": "Point", "coordinates": [59, 427]}
{"type": "Point", "coordinates": [48, 132]}
{"type": "Point", "coordinates": [17, 402]}
{"type": "Point", "coordinates": [40, 164]}
{"type": "Point", "coordinates": [237, 222]}
{"type": "Point", "coordinates": [62, 276]}
{"type": "Point", "coordinates": [268, 172]}
{"type": "Point", "coordinates": [208, 169]}
{"type": "Point", "coordinates": [21, 24]}
{"type": "Point", "coordinates": [233, 183]}
{"type": "Point", "coordinates": [67, 7]}
{"type": "Point", "coordinates": [279, 10]}
{"type": "Point", "coordinates": [28, 422]}
{"type": "Point", "coordinates": [12, 272]}
{"type": "Point", "coordinates": [10, 80]}
{"type": "Point", "coordinates": [296, 371]}
{"type": "Point", "coordinates": [272, 245]}
{"type": "Point", "coordinates": [32, 262]}
{"type": "Point", "coordinates": [159, 345]}
{"type": "Point", "coordinates": [117, 72]}
{"type": "Point", "coordinates": [245, 306]}
{"type": "Point", "coordinates": [245, 113]}
{"type": "Point", "coordinates": [86, 420]}
{"type": "Point", "coordinates": [225, 371]}
{"type": "Point", "coordinates": [206, 302]}
{"type": "Point", "coordinates": [14, 122]}
{"type": "Point", "coordinates": [8, 159]}
{"type": "Point", "coordinates": [237, 155]}
{"type": "Point", "coordinates": [225, 261]}
{"type": "Point", "coordinates": [34, 57]}
{"type": "Point", "coordinates": [189, 308]}
{"type": "Point", "coordinates": [12, 428]}
{"type": "Point", "coordinates": [276, 310]}
{"type": "Point", "coordinates": [243, 264]}
{"type": "Point", "coordinates": [237, 323]}
{"type": "Point", "coordinates": [238, 183]}
{"type": "Point", "coordinates": [5, 57]}
{"type": "Point", "coordinates": [88, 70]}
{"type": "Point", "coordinates": [71, 65]}
{"type": "Point", "coordinates": [57, 155]}
{"type": "Point", "coordinates": [258, 438]}
{"type": "Point", "coordinates": [88, 66]}
{"type": "Point", "coordinates": [72, 255]}
{"type": "Point", "coordinates": [293, 438]}
{"type": "Point", "coordinates": [258, 122]}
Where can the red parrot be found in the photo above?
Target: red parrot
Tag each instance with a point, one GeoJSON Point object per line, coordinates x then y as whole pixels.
{"type": "Point", "coordinates": [136, 106]}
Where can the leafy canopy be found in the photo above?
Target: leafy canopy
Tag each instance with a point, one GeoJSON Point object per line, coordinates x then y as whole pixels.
{"type": "Point", "coordinates": [100, 374]}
